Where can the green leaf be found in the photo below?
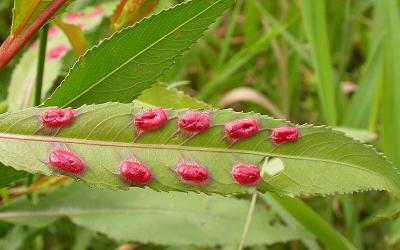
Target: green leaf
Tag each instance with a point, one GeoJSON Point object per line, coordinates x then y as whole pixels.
{"type": "Point", "coordinates": [131, 60]}
{"type": "Point", "coordinates": [319, 163]}
{"type": "Point", "coordinates": [310, 220]}
{"type": "Point", "coordinates": [360, 108]}
{"type": "Point", "coordinates": [170, 98]}
{"type": "Point", "coordinates": [130, 12]}
{"type": "Point", "coordinates": [361, 135]}
{"type": "Point", "coordinates": [17, 237]}
{"type": "Point", "coordinates": [26, 11]}
{"type": "Point", "coordinates": [75, 36]}
{"type": "Point", "coordinates": [21, 89]}
{"type": "Point", "coordinates": [9, 175]}
{"type": "Point", "coordinates": [291, 211]}
{"type": "Point", "coordinates": [391, 78]}
{"type": "Point", "coordinates": [147, 216]}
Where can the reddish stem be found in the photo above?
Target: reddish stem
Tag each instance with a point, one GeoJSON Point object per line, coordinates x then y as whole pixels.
{"type": "Point", "coordinates": [11, 46]}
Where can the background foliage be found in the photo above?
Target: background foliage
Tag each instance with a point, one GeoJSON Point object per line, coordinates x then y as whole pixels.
{"type": "Point", "coordinates": [317, 62]}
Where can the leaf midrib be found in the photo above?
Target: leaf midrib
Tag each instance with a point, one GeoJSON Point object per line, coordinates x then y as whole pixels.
{"type": "Point", "coordinates": [77, 212]}
{"type": "Point", "coordinates": [138, 54]}
{"type": "Point", "coordinates": [165, 147]}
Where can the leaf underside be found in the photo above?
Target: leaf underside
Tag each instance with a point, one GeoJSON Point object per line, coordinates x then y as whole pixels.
{"type": "Point", "coordinates": [319, 163]}
{"type": "Point", "coordinates": [132, 59]}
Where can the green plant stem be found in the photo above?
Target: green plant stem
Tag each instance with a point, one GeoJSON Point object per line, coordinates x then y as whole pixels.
{"type": "Point", "coordinates": [39, 79]}
{"type": "Point", "coordinates": [248, 220]}
{"type": "Point", "coordinates": [40, 64]}
{"type": "Point", "coordinates": [13, 44]}
{"type": "Point", "coordinates": [250, 214]}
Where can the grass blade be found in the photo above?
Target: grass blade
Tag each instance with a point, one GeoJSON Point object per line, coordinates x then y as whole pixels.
{"type": "Point", "coordinates": [310, 220]}
{"type": "Point", "coordinates": [315, 25]}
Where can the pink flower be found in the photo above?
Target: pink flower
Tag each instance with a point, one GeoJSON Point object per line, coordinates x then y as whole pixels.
{"type": "Point", "coordinates": [73, 16]}
{"type": "Point", "coordinates": [57, 52]}
{"type": "Point", "coordinates": [52, 32]}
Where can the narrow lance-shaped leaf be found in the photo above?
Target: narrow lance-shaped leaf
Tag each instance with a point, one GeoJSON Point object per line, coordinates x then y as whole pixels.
{"type": "Point", "coordinates": [75, 36]}
{"type": "Point", "coordinates": [128, 12]}
{"type": "Point", "coordinates": [104, 138]}
{"type": "Point", "coordinates": [137, 215]}
{"type": "Point", "coordinates": [131, 60]}
{"type": "Point", "coordinates": [391, 79]}
{"type": "Point", "coordinates": [314, 17]}
{"type": "Point", "coordinates": [8, 175]}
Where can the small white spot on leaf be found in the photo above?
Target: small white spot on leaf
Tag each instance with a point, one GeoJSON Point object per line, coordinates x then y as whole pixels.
{"type": "Point", "coordinates": [273, 166]}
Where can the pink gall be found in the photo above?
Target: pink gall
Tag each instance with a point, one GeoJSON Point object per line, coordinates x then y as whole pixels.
{"type": "Point", "coordinates": [284, 134]}
{"type": "Point", "coordinates": [150, 120]}
{"type": "Point", "coordinates": [193, 173]}
{"type": "Point", "coordinates": [135, 173]}
{"type": "Point", "coordinates": [194, 121]}
{"type": "Point", "coordinates": [245, 174]}
{"type": "Point", "coordinates": [57, 117]}
{"type": "Point", "coordinates": [241, 129]}
{"type": "Point", "coordinates": [66, 162]}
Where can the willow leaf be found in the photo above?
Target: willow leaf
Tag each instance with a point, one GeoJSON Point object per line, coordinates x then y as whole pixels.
{"type": "Point", "coordinates": [8, 175]}
{"type": "Point", "coordinates": [132, 59]}
{"type": "Point", "coordinates": [319, 163]}
{"type": "Point", "coordinates": [137, 215]}
{"type": "Point", "coordinates": [128, 12]}
{"type": "Point", "coordinates": [171, 98]}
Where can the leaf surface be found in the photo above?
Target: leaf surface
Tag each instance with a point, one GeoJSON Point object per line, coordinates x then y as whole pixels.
{"type": "Point", "coordinates": [319, 163]}
{"type": "Point", "coordinates": [129, 12]}
{"type": "Point", "coordinates": [291, 211]}
{"type": "Point", "coordinates": [171, 98]}
{"type": "Point", "coordinates": [8, 175]}
{"type": "Point", "coordinates": [131, 60]}
{"type": "Point", "coordinates": [138, 215]}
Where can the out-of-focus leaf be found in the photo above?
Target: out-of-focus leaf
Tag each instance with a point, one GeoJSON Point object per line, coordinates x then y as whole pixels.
{"type": "Point", "coordinates": [21, 89]}
{"type": "Point", "coordinates": [310, 220]}
{"type": "Point", "coordinates": [131, 60]}
{"type": "Point", "coordinates": [3, 107]}
{"type": "Point", "coordinates": [316, 29]}
{"type": "Point", "coordinates": [129, 12]}
{"type": "Point", "coordinates": [361, 135]}
{"type": "Point", "coordinates": [17, 237]}
{"type": "Point", "coordinates": [8, 175]}
{"type": "Point", "coordinates": [160, 95]}
{"type": "Point", "coordinates": [391, 78]}
{"type": "Point", "coordinates": [75, 36]}
{"type": "Point", "coordinates": [359, 110]}
{"type": "Point", "coordinates": [147, 216]}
